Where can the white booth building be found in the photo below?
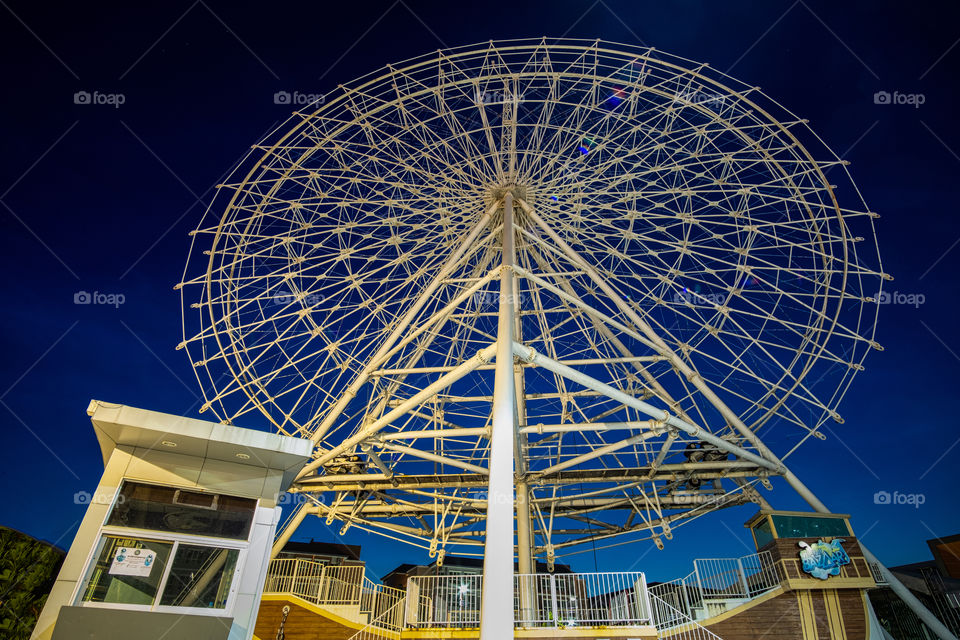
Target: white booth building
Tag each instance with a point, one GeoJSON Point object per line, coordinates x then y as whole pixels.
{"type": "Point", "coordinates": [176, 539]}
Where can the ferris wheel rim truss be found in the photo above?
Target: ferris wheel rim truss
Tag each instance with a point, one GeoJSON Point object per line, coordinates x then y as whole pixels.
{"type": "Point", "coordinates": [754, 462]}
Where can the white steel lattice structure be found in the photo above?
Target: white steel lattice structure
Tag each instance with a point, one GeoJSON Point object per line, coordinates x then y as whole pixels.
{"type": "Point", "coordinates": [619, 282]}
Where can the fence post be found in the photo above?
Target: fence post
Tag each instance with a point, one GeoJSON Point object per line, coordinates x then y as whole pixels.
{"type": "Point", "coordinates": [293, 579]}
{"type": "Point", "coordinates": [413, 602]}
{"type": "Point", "coordinates": [743, 578]}
{"type": "Point", "coordinates": [321, 584]}
{"type": "Point", "coordinates": [686, 596]}
{"type": "Point", "coordinates": [553, 601]}
{"type": "Point", "coordinates": [696, 572]}
{"type": "Point", "coordinates": [646, 600]}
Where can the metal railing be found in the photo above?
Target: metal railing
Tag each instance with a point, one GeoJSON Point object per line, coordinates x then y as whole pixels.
{"type": "Point", "coordinates": [604, 598]}
{"type": "Point", "coordinates": [540, 600]}
{"type": "Point", "coordinates": [332, 586]}
{"type": "Point", "coordinates": [444, 601]}
{"type": "Point", "coordinates": [386, 626]}
{"type": "Point", "coordinates": [719, 584]}
{"type": "Point", "coordinates": [673, 623]}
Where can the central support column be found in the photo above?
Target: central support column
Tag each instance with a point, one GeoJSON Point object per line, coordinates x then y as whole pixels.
{"type": "Point", "coordinates": [496, 608]}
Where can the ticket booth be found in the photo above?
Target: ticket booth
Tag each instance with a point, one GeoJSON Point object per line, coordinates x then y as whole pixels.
{"type": "Point", "coordinates": [176, 539]}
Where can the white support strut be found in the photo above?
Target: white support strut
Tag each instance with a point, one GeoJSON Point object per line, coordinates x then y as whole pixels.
{"type": "Point", "coordinates": [496, 607]}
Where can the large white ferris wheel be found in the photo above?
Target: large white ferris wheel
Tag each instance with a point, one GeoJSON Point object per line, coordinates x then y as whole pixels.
{"type": "Point", "coordinates": [590, 289]}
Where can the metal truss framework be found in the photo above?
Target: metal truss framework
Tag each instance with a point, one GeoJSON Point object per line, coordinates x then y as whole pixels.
{"type": "Point", "coordinates": [604, 278]}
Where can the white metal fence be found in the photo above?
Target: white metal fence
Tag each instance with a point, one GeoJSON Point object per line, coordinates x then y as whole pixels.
{"type": "Point", "coordinates": [386, 626]}
{"type": "Point", "coordinates": [605, 598]}
{"type": "Point", "coordinates": [332, 586]}
{"type": "Point", "coordinates": [719, 584]}
{"type": "Point", "coordinates": [443, 601]}
{"type": "Point", "coordinates": [540, 600]}
{"type": "Point", "coordinates": [673, 623]}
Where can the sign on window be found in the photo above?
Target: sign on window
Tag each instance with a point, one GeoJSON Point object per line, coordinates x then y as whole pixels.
{"type": "Point", "coordinates": [133, 562]}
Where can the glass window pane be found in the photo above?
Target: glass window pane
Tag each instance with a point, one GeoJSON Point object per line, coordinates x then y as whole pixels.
{"type": "Point", "coordinates": [200, 577]}
{"type": "Point", "coordinates": [143, 506]}
{"type": "Point", "coordinates": [762, 533]}
{"type": "Point", "coordinates": [127, 571]}
{"type": "Point", "coordinates": [809, 527]}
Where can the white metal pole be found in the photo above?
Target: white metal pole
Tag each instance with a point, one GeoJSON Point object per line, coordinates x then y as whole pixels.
{"type": "Point", "coordinates": [524, 555]}
{"type": "Point", "coordinates": [295, 521]}
{"type": "Point", "coordinates": [496, 607]}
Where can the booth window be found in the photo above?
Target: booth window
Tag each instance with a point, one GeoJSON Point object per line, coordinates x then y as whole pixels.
{"type": "Point", "coordinates": [167, 547]}
{"type": "Point", "coordinates": [200, 577]}
{"type": "Point", "coordinates": [809, 526]}
{"type": "Point", "coordinates": [128, 571]}
{"type": "Point", "coordinates": [144, 506]}
{"type": "Point", "coordinates": [762, 534]}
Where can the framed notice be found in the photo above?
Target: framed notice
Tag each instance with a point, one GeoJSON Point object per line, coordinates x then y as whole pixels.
{"type": "Point", "coordinates": [133, 562]}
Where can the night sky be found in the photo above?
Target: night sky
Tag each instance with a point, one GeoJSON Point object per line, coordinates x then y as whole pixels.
{"type": "Point", "coordinates": [100, 198]}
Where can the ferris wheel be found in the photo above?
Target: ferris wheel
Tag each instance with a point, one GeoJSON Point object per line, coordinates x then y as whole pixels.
{"type": "Point", "coordinates": [612, 286]}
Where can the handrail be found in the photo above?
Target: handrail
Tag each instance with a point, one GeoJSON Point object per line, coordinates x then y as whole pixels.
{"type": "Point", "coordinates": [672, 623]}
{"type": "Point", "coordinates": [385, 626]}
{"type": "Point", "coordinates": [720, 584]}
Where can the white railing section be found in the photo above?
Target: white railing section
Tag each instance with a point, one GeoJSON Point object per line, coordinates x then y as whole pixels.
{"type": "Point", "coordinates": [607, 599]}
{"type": "Point", "coordinates": [386, 626]}
{"type": "Point", "coordinates": [673, 623]}
{"type": "Point", "coordinates": [719, 584]}
{"type": "Point", "coordinates": [345, 588]}
{"type": "Point", "coordinates": [540, 600]}
{"type": "Point", "coordinates": [443, 601]}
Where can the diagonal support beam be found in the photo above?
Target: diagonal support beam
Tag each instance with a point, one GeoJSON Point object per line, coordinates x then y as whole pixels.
{"type": "Point", "coordinates": [482, 357]}
{"type": "Point", "coordinates": [583, 379]}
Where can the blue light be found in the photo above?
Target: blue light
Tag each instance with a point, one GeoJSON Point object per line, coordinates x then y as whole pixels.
{"type": "Point", "coordinates": [554, 198]}
{"type": "Point", "coordinates": [584, 150]}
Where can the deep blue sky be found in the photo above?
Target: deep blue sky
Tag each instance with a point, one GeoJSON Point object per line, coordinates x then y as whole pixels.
{"type": "Point", "coordinates": [97, 198]}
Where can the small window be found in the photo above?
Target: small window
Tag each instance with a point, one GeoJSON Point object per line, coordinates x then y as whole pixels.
{"type": "Point", "coordinates": [200, 577]}
{"type": "Point", "coordinates": [762, 533]}
{"type": "Point", "coordinates": [130, 571]}
{"type": "Point", "coordinates": [127, 571]}
{"type": "Point", "coordinates": [809, 526]}
{"type": "Point", "coordinates": [143, 506]}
